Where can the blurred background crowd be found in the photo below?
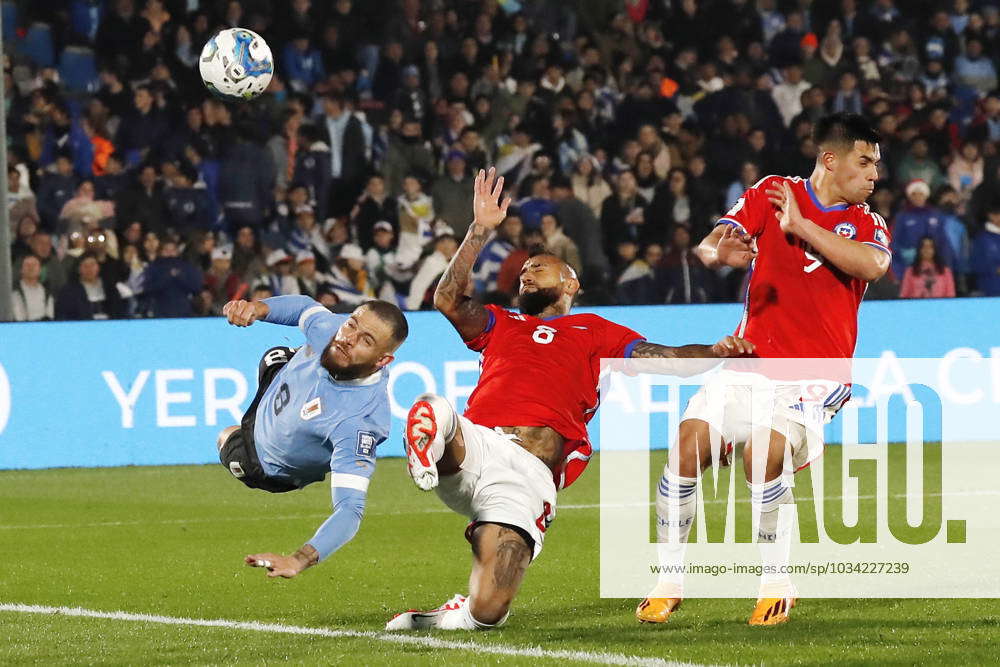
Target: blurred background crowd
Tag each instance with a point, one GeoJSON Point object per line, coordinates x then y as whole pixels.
{"type": "Point", "coordinates": [624, 130]}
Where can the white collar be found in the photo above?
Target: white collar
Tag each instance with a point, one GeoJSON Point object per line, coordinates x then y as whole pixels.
{"type": "Point", "coordinates": [374, 378]}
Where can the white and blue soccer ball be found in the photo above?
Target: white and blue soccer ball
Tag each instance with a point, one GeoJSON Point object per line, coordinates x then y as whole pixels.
{"type": "Point", "coordinates": [236, 64]}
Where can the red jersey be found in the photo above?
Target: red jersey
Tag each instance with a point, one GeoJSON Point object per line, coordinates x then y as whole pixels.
{"type": "Point", "coordinates": [545, 372]}
{"type": "Point", "coordinates": [797, 304]}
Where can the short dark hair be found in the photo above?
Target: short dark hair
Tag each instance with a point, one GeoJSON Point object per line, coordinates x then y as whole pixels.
{"type": "Point", "coordinates": [392, 316]}
{"type": "Point", "coordinates": [843, 129]}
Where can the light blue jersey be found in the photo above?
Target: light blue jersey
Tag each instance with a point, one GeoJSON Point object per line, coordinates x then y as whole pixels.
{"type": "Point", "coordinates": [308, 423]}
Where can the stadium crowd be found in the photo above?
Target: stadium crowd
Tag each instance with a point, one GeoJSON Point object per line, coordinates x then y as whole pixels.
{"type": "Point", "coordinates": [624, 130]}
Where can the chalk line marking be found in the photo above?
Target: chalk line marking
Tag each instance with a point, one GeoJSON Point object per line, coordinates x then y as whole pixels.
{"type": "Point", "coordinates": [600, 658]}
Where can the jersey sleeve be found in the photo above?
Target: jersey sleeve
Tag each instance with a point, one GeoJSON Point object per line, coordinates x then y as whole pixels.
{"type": "Point", "coordinates": [615, 341]}
{"type": "Point", "coordinates": [873, 231]}
{"type": "Point", "coordinates": [750, 212]}
{"type": "Point", "coordinates": [479, 343]}
{"type": "Point", "coordinates": [351, 467]}
{"type": "Point", "coordinates": [320, 325]}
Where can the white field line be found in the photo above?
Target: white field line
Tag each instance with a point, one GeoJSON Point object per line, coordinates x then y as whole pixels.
{"type": "Point", "coordinates": [427, 510]}
{"type": "Point", "coordinates": [600, 658]}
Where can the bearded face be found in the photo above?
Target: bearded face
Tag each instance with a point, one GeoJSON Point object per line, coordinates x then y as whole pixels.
{"type": "Point", "coordinates": [535, 301]}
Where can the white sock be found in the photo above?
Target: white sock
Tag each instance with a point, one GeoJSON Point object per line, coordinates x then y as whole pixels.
{"type": "Point", "coordinates": [462, 619]}
{"type": "Point", "coordinates": [675, 513]}
{"type": "Point", "coordinates": [774, 504]}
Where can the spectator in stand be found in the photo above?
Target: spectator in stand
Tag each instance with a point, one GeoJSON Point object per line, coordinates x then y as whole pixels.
{"type": "Point", "coordinates": [349, 277]}
{"type": "Point", "coordinates": [537, 203]}
{"type": "Point", "coordinates": [170, 283]}
{"type": "Point", "coordinates": [144, 202]}
{"type": "Point", "coordinates": [380, 261]}
{"type": "Point", "coordinates": [310, 280]}
{"type": "Point", "coordinates": [749, 174]}
{"type": "Point", "coordinates": [408, 155]}
{"type": "Point", "coordinates": [986, 253]}
{"type": "Point", "coordinates": [788, 94]}
{"type": "Point", "coordinates": [974, 68]}
{"type": "Point", "coordinates": [415, 212]}
{"type": "Point", "coordinates": [188, 204]}
{"type": "Point", "coordinates": [221, 282]}
{"type": "Point", "coordinates": [928, 277]}
{"type": "Point", "coordinates": [374, 206]}
{"type": "Point", "coordinates": [636, 282]}
{"type": "Point", "coordinates": [681, 277]}
{"type": "Point", "coordinates": [284, 146]}
{"type": "Point", "coordinates": [589, 185]}
{"type": "Point", "coordinates": [348, 161]}
{"type": "Point", "coordinates": [452, 194]}
{"type": "Point", "coordinates": [248, 262]}
{"type": "Point", "coordinates": [307, 235]}
{"type": "Point", "coordinates": [142, 131]}
{"type": "Point", "coordinates": [965, 172]}
{"type": "Point", "coordinates": [302, 62]}
{"type": "Point", "coordinates": [914, 223]}
{"type": "Point", "coordinates": [281, 279]}
{"type": "Point", "coordinates": [948, 203]}
{"type": "Point", "coordinates": [560, 245]}
{"type": "Point", "coordinates": [246, 180]}
{"type": "Point", "coordinates": [623, 215]}
{"type": "Point", "coordinates": [55, 188]}
{"type": "Point", "coordinates": [53, 273]}
{"type": "Point", "coordinates": [919, 165]}
{"type": "Point", "coordinates": [89, 295]}
{"type": "Point", "coordinates": [421, 295]}
{"type": "Point", "coordinates": [31, 300]}
{"type": "Point", "coordinates": [312, 168]}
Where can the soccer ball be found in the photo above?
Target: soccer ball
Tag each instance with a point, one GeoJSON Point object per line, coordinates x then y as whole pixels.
{"type": "Point", "coordinates": [236, 64]}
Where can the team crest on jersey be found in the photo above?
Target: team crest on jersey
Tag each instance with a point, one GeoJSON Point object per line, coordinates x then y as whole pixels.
{"type": "Point", "coordinates": [311, 409]}
{"type": "Point", "coordinates": [366, 443]}
{"type": "Point", "coordinates": [846, 229]}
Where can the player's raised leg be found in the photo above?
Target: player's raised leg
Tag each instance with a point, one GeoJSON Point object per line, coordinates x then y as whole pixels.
{"type": "Point", "coordinates": [433, 440]}
{"type": "Point", "coordinates": [773, 508]}
{"type": "Point", "coordinates": [501, 555]}
{"type": "Point", "coordinates": [675, 513]}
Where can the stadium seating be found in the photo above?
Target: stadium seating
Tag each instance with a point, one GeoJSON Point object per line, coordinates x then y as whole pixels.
{"type": "Point", "coordinates": [78, 69]}
{"type": "Point", "coordinates": [37, 45]}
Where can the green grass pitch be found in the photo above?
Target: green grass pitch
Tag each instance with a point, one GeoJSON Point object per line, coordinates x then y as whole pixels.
{"type": "Point", "coordinates": [170, 541]}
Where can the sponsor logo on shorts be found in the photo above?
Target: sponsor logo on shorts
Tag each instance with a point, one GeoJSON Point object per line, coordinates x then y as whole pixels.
{"type": "Point", "coordinates": [311, 409]}
{"type": "Point", "coordinates": [846, 229]}
{"type": "Point", "coordinates": [366, 443]}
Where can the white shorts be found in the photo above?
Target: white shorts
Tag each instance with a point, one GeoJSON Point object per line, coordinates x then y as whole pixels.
{"type": "Point", "coordinates": [501, 482]}
{"type": "Point", "coordinates": [736, 403]}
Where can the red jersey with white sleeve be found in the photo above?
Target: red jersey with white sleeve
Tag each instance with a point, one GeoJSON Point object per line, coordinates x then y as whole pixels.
{"type": "Point", "coordinates": [798, 304]}
{"type": "Point", "coordinates": [545, 372]}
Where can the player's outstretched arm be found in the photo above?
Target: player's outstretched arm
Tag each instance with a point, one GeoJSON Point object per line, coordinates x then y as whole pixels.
{"type": "Point", "coordinates": [336, 531]}
{"type": "Point", "coordinates": [726, 246]}
{"type": "Point", "coordinates": [647, 357]}
{"type": "Point", "coordinates": [451, 296]}
{"type": "Point", "coordinates": [853, 258]}
{"type": "Point", "coordinates": [730, 346]}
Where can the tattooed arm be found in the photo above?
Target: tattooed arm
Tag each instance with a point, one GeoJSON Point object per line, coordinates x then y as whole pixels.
{"type": "Point", "coordinates": [730, 346]}
{"type": "Point", "coordinates": [468, 316]}
{"type": "Point", "coordinates": [697, 358]}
